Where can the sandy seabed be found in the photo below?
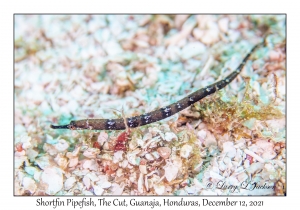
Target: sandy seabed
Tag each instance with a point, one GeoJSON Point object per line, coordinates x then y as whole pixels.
{"type": "Point", "coordinates": [71, 67]}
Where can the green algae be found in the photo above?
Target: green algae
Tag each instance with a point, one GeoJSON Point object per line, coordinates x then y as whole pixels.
{"type": "Point", "coordinates": [224, 113]}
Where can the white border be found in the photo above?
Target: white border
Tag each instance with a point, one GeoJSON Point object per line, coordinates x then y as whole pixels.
{"type": "Point", "coordinates": [153, 6]}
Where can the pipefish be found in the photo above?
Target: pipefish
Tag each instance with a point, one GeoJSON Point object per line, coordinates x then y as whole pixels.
{"type": "Point", "coordinates": [160, 114]}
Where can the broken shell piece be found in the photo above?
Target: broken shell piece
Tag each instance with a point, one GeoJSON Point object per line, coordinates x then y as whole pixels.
{"type": "Point", "coordinates": [159, 189]}
{"type": "Point", "coordinates": [19, 154]}
{"type": "Point", "coordinates": [119, 172]}
{"type": "Point", "coordinates": [48, 148]}
{"type": "Point", "coordinates": [169, 136]}
{"type": "Point", "coordinates": [246, 164]}
{"type": "Point", "coordinates": [242, 177]}
{"type": "Point", "coordinates": [171, 171]}
{"type": "Point", "coordinates": [69, 183]}
{"type": "Point", "coordinates": [118, 156]}
{"type": "Point", "coordinates": [165, 127]}
{"type": "Point", "coordinates": [61, 161]}
{"type": "Point", "coordinates": [233, 181]}
{"type": "Point", "coordinates": [49, 140]}
{"type": "Point", "coordinates": [143, 169]}
{"type": "Point", "coordinates": [52, 177]}
{"type": "Point", "coordinates": [177, 161]}
{"type": "Point", "coordinates": [103, 183]}
{"type": "Point", "coordinates": [201, 134]}
{"type": "Point", "coordinates": [26, 142]}
{"type": "Point", "coordinates": [134, 143]}
{"type": "Point", "coordinates": [152, 143]}
{"type": "Point", "coordinates": [197, 167]}
{"type": "Point", "coordinates": [164, 152]}
{"type": "Point", "coordinates": [223, 24]}
{"type": "Point", "coordinates": [215, 175]}
{"type": "Point", "coordinates": [146, 183]}
{"type": "Point", "coordinates": [192, 49]}
{"type": "Point", "coordinates": [143, 161]}
{"type": "Point", "coordinates": [29, 184]}
{"type": "Point", "coordinates": [86, 182]}
{"type": "Point", "coordinates": [80, 172]}
{"type": "Point", "coordinates": [90, 164]}
{"type": "Point", "coordinates": [155, 154]}
{"type": "Point", "coordinates": [228, 162]}
{"type": "Point", "coordinates": [222, 165]}
{"type": "Point", "coordinates": [92, 176]}
{"type": "Point", "coordinates": [229, 149]}
{"type": "Point", "coordinates": [254, 167]}
{"type": "Point", "coordinates": [149, 157]}
{"type": "Point", "coordinates": [257, 157]}
{"type": "Point", "coordinates": [91, 152]}
{"type": "Point", "coordinates": [31, 154]}
{"type": "Point", "coordinates": [147, 136]}
{"type": "Point", "coordinates": [124, 163]}
{"type": "Point", "coordinates": [168, 189]}
{"type": "Point", "coordinates": [186, 150]}
{"type": "Point", "coordinates": [106, 156]}
{"type": "Point", "coordinates": [106, 146]}
{"type": "Point", "coordinates": [268, 151]}
{"type": "Point", "coordinates": [210, 140]}
{"type": "Point", "coordinates": [62, 145]}
{"type": "Point", "coordinates": [117, 189]}
{"type": "Point", "coordinates": [31, 170]}
{"type": "Point", "coordinates": [131, 157]}
{"type": "Point", "coordinates": [269, 167]}
{"type": "Point", "coordinates": [102, 138]}
{"type": "Point", "coordinates": [141, 184]}
{"type": "Point", "coordinates": [114, 166]}
{"type": "Point", "coordinates": [98, 190]}
{"type": "Point", "coordinates": [43, 161]}
{"type": "Point", "coordinates": [74, 153]}
{"type": "Point", "coordinates": [73, 162]}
